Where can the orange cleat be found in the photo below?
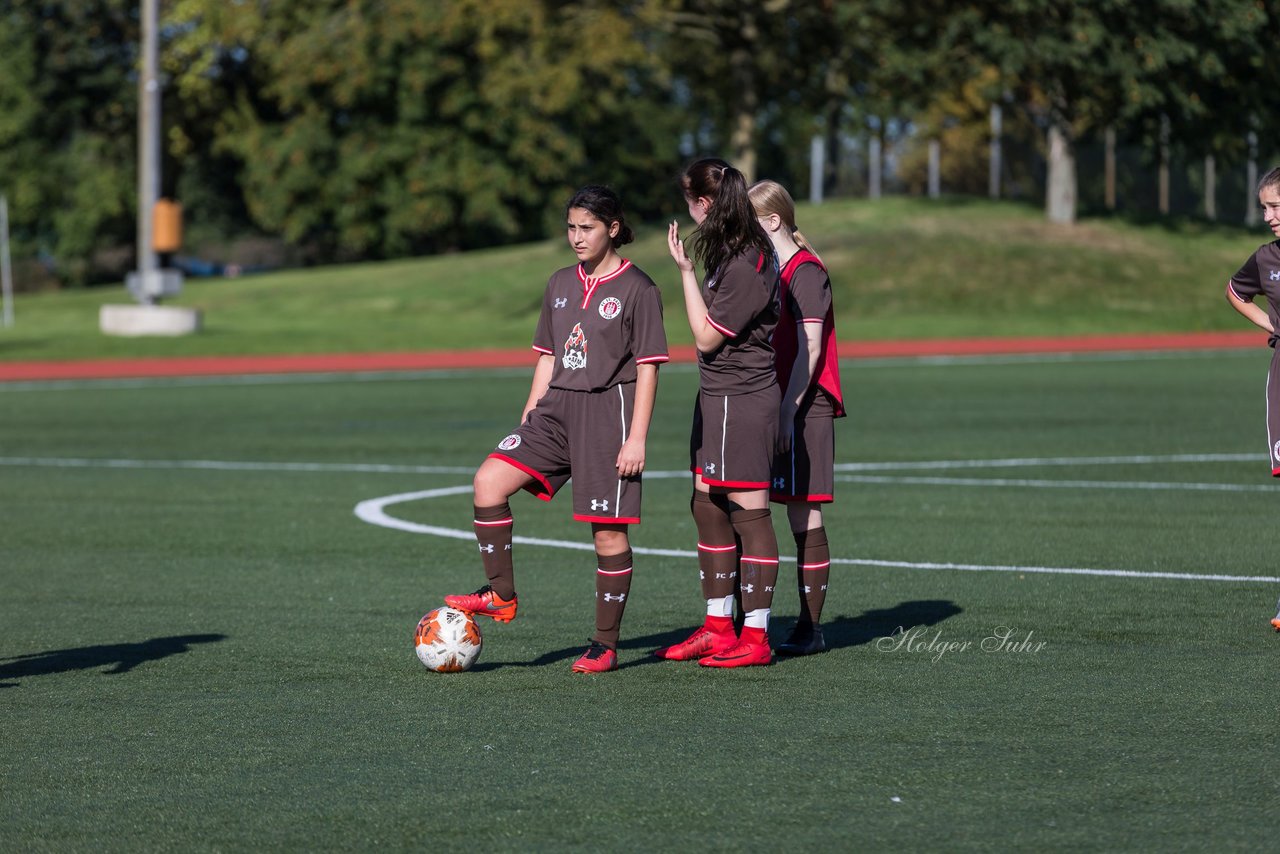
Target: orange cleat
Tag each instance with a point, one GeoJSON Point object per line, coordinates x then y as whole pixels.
{"type": "Point", "coordinates": [484, 603]}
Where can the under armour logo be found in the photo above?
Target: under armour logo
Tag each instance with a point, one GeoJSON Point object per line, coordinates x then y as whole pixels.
{"type": "Point", "coordinates": [487, 548]}
{"type": "Point", "coordinates": [709, 468]}
{"type": "Point", "coordinates": [1275, 275]}
{"type": "Point", "coordinates": [602, 504]}
{"type": "Point", "coordinates": [702, 576]}
{"type": "Point", "coordinates": [609, 597]}
{"type": "Point", "coordinates": [561, 302]}
{"type": "Point", "coordinates": [779, 483]}
{"type": "Point", "coordinates": [808, 589]}
{"type": "Point", "coordinates": [748, 588]}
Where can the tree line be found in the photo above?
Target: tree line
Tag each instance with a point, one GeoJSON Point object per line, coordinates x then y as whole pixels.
{"type": "Point", "coordinates": [362, 129]}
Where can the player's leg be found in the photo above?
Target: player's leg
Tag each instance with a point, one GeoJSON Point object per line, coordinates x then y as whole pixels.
{"type": "Point", "coordinates": [753, 526]}
{"type": "Point", "coordinates": [744, 449]}
{"type": "Point", "coordinates": [813, 571]}
{"type": "Point", "coordinates": [613, 586]}
{"type": "Point", "coordinates": [717, 555]}
{"type": "Point", "coordinates": [718, 574]}
{"type": "Point", "coordinates": [495, 482]}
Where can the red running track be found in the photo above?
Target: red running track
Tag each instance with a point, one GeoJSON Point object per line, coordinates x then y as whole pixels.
{"type": "Point", "coordinates": [364, 362]}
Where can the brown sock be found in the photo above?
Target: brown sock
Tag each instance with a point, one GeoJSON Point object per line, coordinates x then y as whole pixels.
{"type": "Point", "coordinates": [613, 584]}
{"type": "Point", "coordinates": [717, 547]}
{"type": "Point", "coordinates": [493, 533]}
{"type": "Point", "coordinates": [813, 572]}
{"type": "Point", "coordinates": [759, 558]}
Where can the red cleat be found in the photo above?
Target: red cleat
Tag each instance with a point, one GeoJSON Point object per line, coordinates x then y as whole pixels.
{"type": "Point", "coordinates": [700, 644]}
{"type": "Point", "coordinates": [484, 603]}
{"type": "Point", "coordinates": [745, 654]}
{"type": "Point", "coordinates": [1276, 623]}
{"type": "Point", "coordinates": [597, 659]}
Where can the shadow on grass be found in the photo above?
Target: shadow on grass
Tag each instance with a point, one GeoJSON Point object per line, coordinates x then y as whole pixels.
{"type": "Point", "coordinates": [843, 631]}
{"type": "Point", "coordinates": [120, 657]}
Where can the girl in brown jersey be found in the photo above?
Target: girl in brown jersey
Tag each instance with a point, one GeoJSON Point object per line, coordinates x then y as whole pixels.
{"type": "Point", "coordinates": [600, 340]}
{"type": "Point", "coordinates": [809, 375]}
{"type": "Point", "coordinates": [1260, 276]}
{"type": "Point", "coordinates": [732, 315]}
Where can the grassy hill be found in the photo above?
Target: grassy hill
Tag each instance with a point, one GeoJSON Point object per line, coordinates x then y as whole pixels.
{"type": "Point", "coordinates": [902, 268]}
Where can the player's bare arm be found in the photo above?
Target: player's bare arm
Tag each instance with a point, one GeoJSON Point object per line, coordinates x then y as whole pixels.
{"type": "Point", "coordinates": [809, 348]}
{"type": "Point", "coordinates": [705, 336]}
{"type": "Point", "coordinates": [541, 382]}
{"type": "Point", "coordinates": [1252, 312]}
{"type": "Point", "coordinates": [632, 454]}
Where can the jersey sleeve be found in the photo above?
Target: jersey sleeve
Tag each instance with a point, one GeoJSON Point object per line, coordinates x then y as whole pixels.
{"type": "Point", "coordinates": [738, 297]}
{"type": "Point", "coordinates": [648, 336]}
{"type": "Point", "coordinates": [542, 335]}
{"type": "Point", "coordinates": [1247, 282]}
{"type": "Point", "coordinates": [810, 294]}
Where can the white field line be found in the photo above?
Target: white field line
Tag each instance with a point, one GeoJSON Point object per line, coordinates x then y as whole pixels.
{"type": "Point", "coordinates": [373, 511]}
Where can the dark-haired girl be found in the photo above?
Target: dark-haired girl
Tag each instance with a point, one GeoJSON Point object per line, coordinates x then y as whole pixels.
{"type": "Point", "coordinates": [732, 315]}
{"type": "Point", "coordinates": [600, 341]}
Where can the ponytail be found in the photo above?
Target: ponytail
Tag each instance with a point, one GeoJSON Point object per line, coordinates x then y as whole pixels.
{"type": "Point", "coordinates": [730, 227]}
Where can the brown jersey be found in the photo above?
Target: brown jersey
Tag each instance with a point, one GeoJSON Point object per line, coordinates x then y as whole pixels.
{"type": "Point", "coordinates": [1260, 275]}
{"type": "Point", "coordinates": [742, 304]}
{"type": "Point", "coordinates": [599, 328]}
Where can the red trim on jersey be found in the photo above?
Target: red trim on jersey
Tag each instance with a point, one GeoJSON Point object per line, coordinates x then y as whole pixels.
{"type": "Point", "coordinates": [787, 498]}
{"type": "Point", "coordinates": [652, 360]}
{"type": "Point", "coordinates": [608, 520]}
{"type": "Point", "coordinates": [1232, 286]}
{"type": "Point", "coordinates": [1275, 472]}
{"type": "Point", "coordinates": [590, 283]}
{"type": "Point", "coordinates": [545, 493]}
{"type": "Point", "coordinates": [786, 345]}
{"type": "Point", "coordinates": [543, 351]}
{"type": "Point", "coordinates": [721, 328]}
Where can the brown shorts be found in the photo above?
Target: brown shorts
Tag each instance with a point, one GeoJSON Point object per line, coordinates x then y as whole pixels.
{"type": "Point", "coordinates": [806, 473]}
{"type": "Point", "coordinates": [733, 438]}
{"type": "Point", "coordinates": [577, 434]}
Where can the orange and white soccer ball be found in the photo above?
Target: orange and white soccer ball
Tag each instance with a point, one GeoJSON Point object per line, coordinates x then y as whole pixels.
{"type": "Point", "coordinates": [447, 640]}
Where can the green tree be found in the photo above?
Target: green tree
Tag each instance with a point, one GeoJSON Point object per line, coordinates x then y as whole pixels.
{"type": "Point", "coordinates": [68, 97]}
{"type": "Point", "coordinates": [382, 128]}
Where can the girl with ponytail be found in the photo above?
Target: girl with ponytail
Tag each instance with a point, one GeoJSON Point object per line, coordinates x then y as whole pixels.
{"type": "Point", "coordinates": [732, 315]}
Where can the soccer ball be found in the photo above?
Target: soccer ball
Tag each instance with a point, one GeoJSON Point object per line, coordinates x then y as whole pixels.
{"type": "Point", "coordinates": [447, 640]}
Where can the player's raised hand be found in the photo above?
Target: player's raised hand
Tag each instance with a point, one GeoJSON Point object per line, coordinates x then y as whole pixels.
{"type": "Point", "coordinates": [676, 246]}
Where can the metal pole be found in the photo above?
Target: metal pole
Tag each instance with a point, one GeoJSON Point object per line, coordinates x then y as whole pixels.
{"type": "Point", "coordinates": [6, 273]}
{"type": "Point", "coordinates": [148, 147]}
{"type": "Point", "coordinates": [817, 168]}
{"type": "Point", "coordinates": [994, 166]}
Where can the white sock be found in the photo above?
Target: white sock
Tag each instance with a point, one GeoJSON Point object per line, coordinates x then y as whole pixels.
{"type": "Point", "coordinates": [720, 607]}
{"type": "Point", "coordinates": [757, 619]}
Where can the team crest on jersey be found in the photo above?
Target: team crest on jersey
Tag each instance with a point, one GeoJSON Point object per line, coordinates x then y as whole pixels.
{"type": "Point", "coordinates": [510, 443]}
{"type": "Point", "coordinates": [610, 307]}
{"type": "Point", "coordinates": [1275, 451]}
{"type": "Point", "coordinates": [575, 349]}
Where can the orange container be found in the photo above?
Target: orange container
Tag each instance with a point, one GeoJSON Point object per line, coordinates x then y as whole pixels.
{"type": "Point", "coordinates": [166, 226]}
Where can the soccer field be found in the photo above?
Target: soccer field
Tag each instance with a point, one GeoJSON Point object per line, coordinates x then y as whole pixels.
{"type": "Point", "coordinates": [1048, 618]}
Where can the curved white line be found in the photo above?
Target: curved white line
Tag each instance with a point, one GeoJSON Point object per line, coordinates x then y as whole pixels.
{"type": "Point", "coordinates": [373, 511]}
